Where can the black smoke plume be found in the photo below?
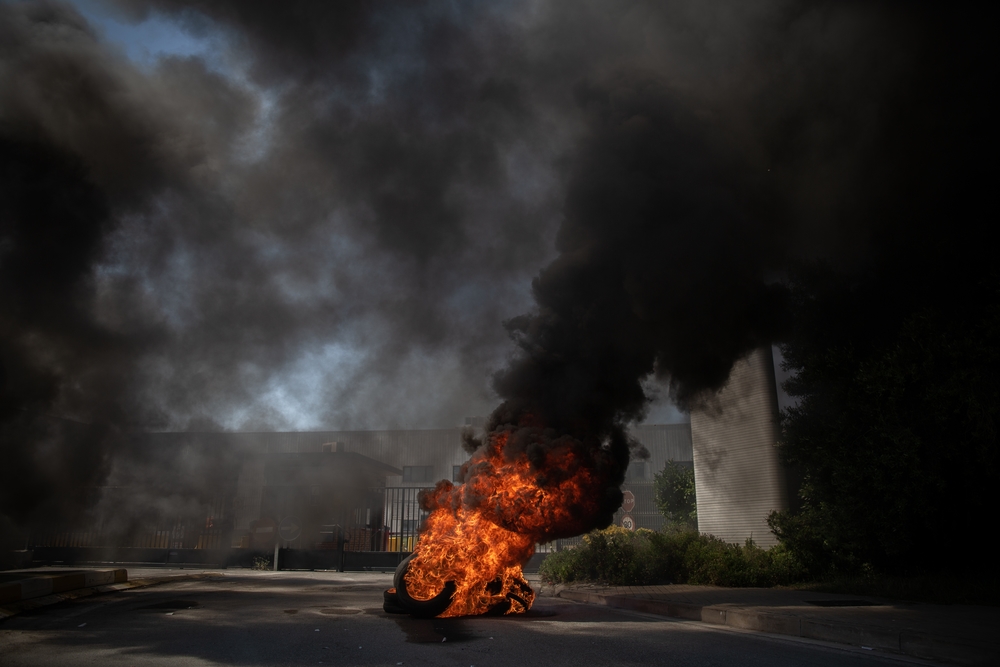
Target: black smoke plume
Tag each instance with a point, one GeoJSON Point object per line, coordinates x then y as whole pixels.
{"type": "Point", "coordinates": [651, 205]}
{"type": "Point", "coordinates": [676, 246]}
{"type": "Point", "coordinates": [322, 222]}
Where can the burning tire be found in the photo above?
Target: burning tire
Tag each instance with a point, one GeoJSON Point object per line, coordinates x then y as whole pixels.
{"type": "Point", "coordinates": [418, 608]}
{"type": "Point", "coordinates": [390, 602]}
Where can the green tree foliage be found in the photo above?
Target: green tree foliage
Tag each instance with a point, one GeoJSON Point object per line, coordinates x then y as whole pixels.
{"type": "Point", "coordinates": [675, 497]}
{"type": "Point", "coordinates": [897, 351]}
{"type": "Point", "coordinates": [895, 432]}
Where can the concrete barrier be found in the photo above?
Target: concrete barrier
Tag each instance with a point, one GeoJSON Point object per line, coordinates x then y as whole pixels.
{"type": "Point", "coordinates": [920, 645]}
{"type": "Point", "coordinates": [40, 584]}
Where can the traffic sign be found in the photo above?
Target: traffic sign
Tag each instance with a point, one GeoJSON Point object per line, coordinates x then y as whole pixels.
{"type": "Point", "coordinates": [628, 523]}
{"type": "Point", "coordinates": [289, 529]}
{"type": "Point", "coordinates": [628, 501]}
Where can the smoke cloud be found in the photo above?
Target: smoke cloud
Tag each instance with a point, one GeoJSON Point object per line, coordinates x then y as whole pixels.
{"type": "Point", "coordinates": [323, 222]}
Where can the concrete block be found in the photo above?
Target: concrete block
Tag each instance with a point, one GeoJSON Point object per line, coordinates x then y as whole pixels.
{"type": "Point", "coordinates": [714, 615]}
{"type": "Point", "coordinates": [35, 587]}
{"type": "Point", "coordinates": [962, 651]}
{"type": "Point", "coordinates": [851, 634]}
{"type": "Point", "coordinates": [105, 577]}
{"type": "Point", "coordinates": [779, 624]}
{"type": "Point", "coordinates": [68, 582]}
{"type": "Point", "coordinates": [38, 585]}
{"type": "Point", "coordinates": [690, 612]}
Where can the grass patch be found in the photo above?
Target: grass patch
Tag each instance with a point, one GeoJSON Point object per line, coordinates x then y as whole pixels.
{"type": "Point", "coordinates": [261, 563]}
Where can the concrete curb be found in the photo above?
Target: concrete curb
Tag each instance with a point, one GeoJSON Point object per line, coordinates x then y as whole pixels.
{"type": "Point", "coordinates": [14, 608]}
{"type": "Point", "coordinates": [42, 584]}
{"type": "Point", "coordinates": [916, 644]}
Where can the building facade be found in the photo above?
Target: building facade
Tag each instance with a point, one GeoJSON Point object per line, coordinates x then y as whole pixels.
{"type": "Point", "coordinates": [739, 479]}
{"type": "Point", "coordinates": [322, 490]}
{"type": "Point", "coordinates": [423, 457]}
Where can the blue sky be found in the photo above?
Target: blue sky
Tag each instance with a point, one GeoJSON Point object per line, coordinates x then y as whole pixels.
{"type": "Point", "coordinates": [145, 42]}
{"type": "Point", "coordinates": [297, 395]}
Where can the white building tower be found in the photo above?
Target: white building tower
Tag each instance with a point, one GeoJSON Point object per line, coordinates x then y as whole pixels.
{"type": "Point", "coordinates": [738, 477]}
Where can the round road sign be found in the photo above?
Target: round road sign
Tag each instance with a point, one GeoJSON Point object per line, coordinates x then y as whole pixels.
{"type": "Point", "coordinates": [628, 523]}
{"type": "Point", "coordinates": [628, 501]}
{"type": "Point", "coordinates": [289, 529]}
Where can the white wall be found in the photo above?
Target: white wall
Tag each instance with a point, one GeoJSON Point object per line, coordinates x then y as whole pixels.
{"type": "Point", "coordinates": [738, 477]}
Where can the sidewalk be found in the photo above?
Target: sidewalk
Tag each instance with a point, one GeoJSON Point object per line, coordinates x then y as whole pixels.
{"type": "Point", "coordinates": [960, 634]}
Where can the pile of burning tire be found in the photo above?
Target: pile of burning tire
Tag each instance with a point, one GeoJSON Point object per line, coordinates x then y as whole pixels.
{"type": "Point", "coordinates": [398, 601]}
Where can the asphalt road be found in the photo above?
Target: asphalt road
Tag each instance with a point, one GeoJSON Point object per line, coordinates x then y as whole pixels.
{"type": "Point", "coordinates": [249, 618]}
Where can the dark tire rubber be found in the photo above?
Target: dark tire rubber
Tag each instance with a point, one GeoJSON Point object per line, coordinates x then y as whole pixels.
{"type": "Point", "coordinates": [421, 608]}
{"type": "Point", "coordinates": [390, 603]}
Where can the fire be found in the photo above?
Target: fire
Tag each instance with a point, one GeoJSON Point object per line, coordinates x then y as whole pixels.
{"type": "Point", "coordinates": [480, 533]}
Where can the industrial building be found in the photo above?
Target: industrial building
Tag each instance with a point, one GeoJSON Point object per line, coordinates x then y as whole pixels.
{"type": "Point", "coordinates": [329, 496]}
{"type": "Point", "coordinates": [739, 479]}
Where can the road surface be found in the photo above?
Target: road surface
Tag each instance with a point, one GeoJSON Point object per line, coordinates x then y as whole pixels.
{"type": "Point", "coordinates": [312, 618]}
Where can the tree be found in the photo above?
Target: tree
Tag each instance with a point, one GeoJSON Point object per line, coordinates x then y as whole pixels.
{"type": "Point", "coordinates": [896, 429]}
{"type": "Point", "coordinates": [675, 498]}
{"type": "Point", "coordinates": [897, 351]}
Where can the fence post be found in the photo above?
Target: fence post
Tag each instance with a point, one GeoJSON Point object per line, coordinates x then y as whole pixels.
{"type": "Point", "coordinates": [341, 545]}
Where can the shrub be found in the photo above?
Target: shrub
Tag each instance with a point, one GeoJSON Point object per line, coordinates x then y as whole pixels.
{"type": "Point", "coordinates": [618, 557]}
{"type": "Point", "coordinates": [613, 555]}
{"type": "Point", "coordinates": [709, 560]}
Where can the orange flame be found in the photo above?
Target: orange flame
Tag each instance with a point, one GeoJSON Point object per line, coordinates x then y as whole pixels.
{"type": "Point", "coordinates": [480, 533]}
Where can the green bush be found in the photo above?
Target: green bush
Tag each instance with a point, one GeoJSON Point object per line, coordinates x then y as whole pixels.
{"type": "Point", "coordinates": [613, 555]}
{"type": "Point", "coordinates": [709, 560]}
{"type": "Point", "coordinates": [619, 557]}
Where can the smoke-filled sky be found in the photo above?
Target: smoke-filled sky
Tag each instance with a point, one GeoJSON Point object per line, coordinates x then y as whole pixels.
{"type": "Point", "coordinates": [304, 215]}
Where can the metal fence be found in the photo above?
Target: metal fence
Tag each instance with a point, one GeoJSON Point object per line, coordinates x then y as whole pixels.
{"type": "Point", "coordinates": [392, 529]}
{"type": "Point", "coordinates": [403, 517]}
{"type": "Point", "coordinates": [390, 523]}
{"type": "Point", "coordinates": [645, 514]}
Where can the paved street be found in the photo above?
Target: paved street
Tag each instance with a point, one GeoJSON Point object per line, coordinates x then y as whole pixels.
{"type": "Point", "coordinates": [307, 618]}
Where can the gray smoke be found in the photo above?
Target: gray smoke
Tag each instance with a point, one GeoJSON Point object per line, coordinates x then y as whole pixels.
{"type": "Point", "coordinates": [325, 225]}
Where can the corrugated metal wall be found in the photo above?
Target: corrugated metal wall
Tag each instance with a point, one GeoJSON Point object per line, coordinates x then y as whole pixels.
{"type": "Point", "coordinates": [249, 491]}
{"type": "Point", "coordinates": [738, 477]}
{"type": "Point", "coordinates": [665, 442]}
{"type": "Point", "coordinates": [442, 448]}
{"type": "Point", "coordinates": [439, 448]}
